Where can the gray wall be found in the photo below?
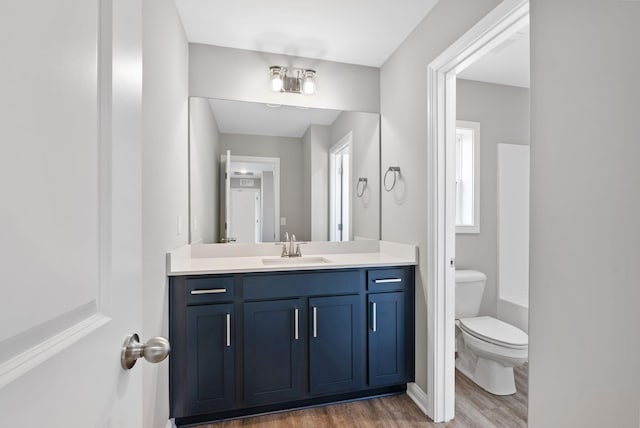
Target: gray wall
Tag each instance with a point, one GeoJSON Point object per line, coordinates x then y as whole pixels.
{"type": "Point", "coordinates": [289, 150]}
{"type": "Point", "coordinates": [268, 208]}
{"type": "Point", "coordinates": [366, 163]}
{"type": "Point", "coordinates": [235, 183]}
{"type": "Point", "coordinates": [585, 209]}
{"type": "Point", "coordinates": [306, 181]}
{"type": "Point", "coordinates": [316, 143]}
{"type": "Point", "coordinates": [204, 176]}
{"type": "Point", "coordinates": [164, 181]}
{"type": "Point", "coordinates": [235, 74]}
{"type": "Point", "coordinates": [503, 113]}
{"type": "Point", "coordinates": [403, 105]}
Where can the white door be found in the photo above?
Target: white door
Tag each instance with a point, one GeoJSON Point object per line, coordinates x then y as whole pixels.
{"type": "Point", "coordinates": [225, 200]}
{"type": "Point", "coordinates": [70, 259]}
{"type": "Point", "coordinates": [339, 190]}
{"type": "Point", "coordinates": [245, 211]}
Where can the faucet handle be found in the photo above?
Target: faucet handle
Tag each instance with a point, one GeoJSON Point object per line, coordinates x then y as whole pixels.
{"type": "Point", "coordinates": [298, 252]}
{"type": "Point", "coordinates": [285, 251]}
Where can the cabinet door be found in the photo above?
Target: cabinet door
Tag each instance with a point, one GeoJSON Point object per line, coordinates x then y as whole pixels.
{"type": "Point", "coordinates": [386, 339]}
{"type": "Point", "coordinates": [274, 351]}
{"type": "Point", "coordinates": [337, 349]}
{"type": "Point", "coordinates": [210, 358]}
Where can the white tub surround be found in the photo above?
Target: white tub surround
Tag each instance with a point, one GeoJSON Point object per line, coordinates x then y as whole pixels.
{"type": "Point", "coordinates": [201, 259]}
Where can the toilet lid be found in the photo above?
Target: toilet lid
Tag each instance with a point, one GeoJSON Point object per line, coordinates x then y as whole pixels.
{"type": "Point", "coordinates": [495, 331]}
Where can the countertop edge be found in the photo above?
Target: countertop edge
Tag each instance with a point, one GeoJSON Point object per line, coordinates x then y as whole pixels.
{"type": "Point", "coordinates": [181, 263]}
{"type": "Point", "coordinates": [289, 268]}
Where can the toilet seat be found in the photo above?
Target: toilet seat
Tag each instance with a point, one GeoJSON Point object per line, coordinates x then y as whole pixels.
{"type": "Point", "coordinates": [495, 331]}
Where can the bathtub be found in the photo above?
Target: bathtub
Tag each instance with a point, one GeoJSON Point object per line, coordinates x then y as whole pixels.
{"type": "Point", "coordinates": [515, 311]}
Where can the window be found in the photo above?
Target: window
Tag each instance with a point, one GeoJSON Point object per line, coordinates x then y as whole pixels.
{"type": "Point", "coordinates": [467, 177]}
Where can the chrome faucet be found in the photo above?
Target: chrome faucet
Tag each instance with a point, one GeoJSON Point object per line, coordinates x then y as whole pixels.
{"type": "Point", "coordinates": [285, 250]}
{"type": "Point", "coordinates": [290, 247]}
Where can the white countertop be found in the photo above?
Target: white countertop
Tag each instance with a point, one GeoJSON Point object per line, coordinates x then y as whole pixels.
{"type": "Point", "coordinates": [242, 258]}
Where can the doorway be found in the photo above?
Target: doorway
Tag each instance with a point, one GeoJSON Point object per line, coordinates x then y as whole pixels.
{"type": "Point", "coordinates": [492, 31]}
{"type": "Point", "coordinates": [249, 198]}
{"type": "Point", "coordinates": [246, 215]}
{"type": "Point", "coordinates": [339, 194]}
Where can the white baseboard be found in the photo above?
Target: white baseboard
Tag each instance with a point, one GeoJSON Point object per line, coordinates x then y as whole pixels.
{"type": "Point", "coordinates": [419, 397]}
{"type": "Point", "coordinates": [171, 424]}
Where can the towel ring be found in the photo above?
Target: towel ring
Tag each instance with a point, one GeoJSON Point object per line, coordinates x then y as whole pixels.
{"type": "Point", "coordinates": [359, 192]}
{"type": "Point", "coordinates": [396, 173]}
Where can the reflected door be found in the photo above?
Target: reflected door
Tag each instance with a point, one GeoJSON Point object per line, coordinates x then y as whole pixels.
{"type": "Point", "coordinates": [245, 215]}
{"type": "Point", "coordinates": [227, 199]}
{"type": "Point", "coordinates": [339, 197]}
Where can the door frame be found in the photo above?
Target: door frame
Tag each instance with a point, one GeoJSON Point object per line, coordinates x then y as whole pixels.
{"type": "Point", "coordinates": [345, 142]}
{"type": "Point", "coordinates": [276, 184]}
{"type": "Point", "coordinates": [498, 25]}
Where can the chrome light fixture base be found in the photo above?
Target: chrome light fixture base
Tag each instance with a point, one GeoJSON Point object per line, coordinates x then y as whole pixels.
{"type": "Point", "coordinates": [300, 82]}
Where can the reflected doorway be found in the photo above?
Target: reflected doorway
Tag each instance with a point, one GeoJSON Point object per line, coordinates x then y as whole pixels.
{"type": "Point", "coordinates": [249, 198]}
{"type": "Point", "coordinates": [339, 193]}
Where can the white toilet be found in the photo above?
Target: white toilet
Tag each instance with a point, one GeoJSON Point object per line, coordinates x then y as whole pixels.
{"type": "Point", "coordinates": [488, 349]}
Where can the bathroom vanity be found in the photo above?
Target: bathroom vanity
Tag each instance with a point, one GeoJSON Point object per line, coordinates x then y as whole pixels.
{"type": "Point", "coordinates": [260, 333]}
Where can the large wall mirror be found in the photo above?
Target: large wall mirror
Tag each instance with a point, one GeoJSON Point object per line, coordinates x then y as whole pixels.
{"type": "Point", "coordinates": [258, 171]}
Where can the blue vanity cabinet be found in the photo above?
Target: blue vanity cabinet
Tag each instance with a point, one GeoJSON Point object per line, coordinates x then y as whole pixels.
{"type": "Point", "coordinates": [210, 382]}
{"type": "Point", "coordinates": [274, 351]}
{"type": "Point", "coordinates": [337, 348]}
{"type": "Point", "coordinates": [387, 338]}
{"type": "Point", "coordinates": [259, 342]}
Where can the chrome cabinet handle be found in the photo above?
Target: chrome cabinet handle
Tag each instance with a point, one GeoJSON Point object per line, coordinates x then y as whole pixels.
{"type": "Point", "coordinates": [315, 321]}
{"type": "Point", "coordinates": [155, 350]}
{"type": "Point", "coordinates": [211, 291]}
{"type": "Point", "coordinates": [228, 330]}
{"type": "Point", "coordinates": [295, 324]}
{"type": "Point", "coordinates": [374, 316]}
{"type": "Point", "coordinates": [386, 281]}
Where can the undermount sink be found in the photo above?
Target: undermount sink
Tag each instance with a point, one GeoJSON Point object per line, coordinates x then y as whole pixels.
{"type": "Point", "coordinates": [294, 260]}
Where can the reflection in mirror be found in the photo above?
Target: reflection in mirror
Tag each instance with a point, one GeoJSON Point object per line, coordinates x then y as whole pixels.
{"type": "Point", "coordinates": [259, 171]}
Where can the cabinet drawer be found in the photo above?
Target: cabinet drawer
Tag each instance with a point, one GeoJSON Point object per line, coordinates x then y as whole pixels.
{"type": "Point", "coordinates": [386, 279]}
{"type": "Point", "coordinates": [302, 284]}
{"type": "Point", "coordinates": [209, 290]}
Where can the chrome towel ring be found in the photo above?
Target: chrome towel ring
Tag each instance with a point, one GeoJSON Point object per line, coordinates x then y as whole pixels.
{"type": "Point", "coordinates": [359, 192]}
{"type": "Point", "coordinates": [396, 173]}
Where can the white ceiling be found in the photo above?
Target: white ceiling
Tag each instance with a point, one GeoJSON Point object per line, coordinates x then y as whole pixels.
{"type": "Point", "coordinates": [239, 168]}
{"type": "Point", "coordinates": [237, 117]}
{"type": "Point", "coordinates": [507, 64]}
{"type": "Point", "coordinates": [364, 32]}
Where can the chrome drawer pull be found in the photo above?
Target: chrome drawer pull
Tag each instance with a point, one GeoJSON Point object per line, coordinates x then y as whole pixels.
{"type": "Point", "coordinates": [375, 316]}
{"type": "Point", "coordinates": [228, 330]}
{"type": "Point", "coordinates": [295, 325]}
{"type": "Point", "coordinates": [212, 291]}
{"type": "Point", "coordinates": [315, 321]}
{"type": "Point", "coordinates": [386, 281]}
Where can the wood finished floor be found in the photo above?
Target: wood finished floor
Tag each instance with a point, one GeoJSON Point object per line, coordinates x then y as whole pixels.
{"type": "Point", "coordinates": [475, 408]}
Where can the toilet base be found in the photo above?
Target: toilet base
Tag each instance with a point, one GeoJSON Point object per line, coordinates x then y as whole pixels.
{"type": "Point", "coordinates": [490, 375]}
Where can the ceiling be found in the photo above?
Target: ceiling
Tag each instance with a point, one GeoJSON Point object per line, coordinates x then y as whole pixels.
{"type": "Point", "coordinates": [364, 32]}
{"type": "Point", "coordinates": [507, 64]}
{"type": "Point", "coordinates": [237, 117]}
{"type": "Point", "coordinates": [239, 169]}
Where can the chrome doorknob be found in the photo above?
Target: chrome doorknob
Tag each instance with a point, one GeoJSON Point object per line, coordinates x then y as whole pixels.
{"type": "Point", "coordinates": [155, 350]}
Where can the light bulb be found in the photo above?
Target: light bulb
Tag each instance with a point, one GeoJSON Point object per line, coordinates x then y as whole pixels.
{"type": "Point", "coordinates": [309, 83]}
{"type": "Point", "coordinates": [276, 78]}
{"type": "Point", "coordinates": [276, 83]}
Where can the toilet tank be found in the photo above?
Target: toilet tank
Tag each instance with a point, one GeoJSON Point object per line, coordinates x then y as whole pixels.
{"type": "Point", "coordinates": [469, 290]}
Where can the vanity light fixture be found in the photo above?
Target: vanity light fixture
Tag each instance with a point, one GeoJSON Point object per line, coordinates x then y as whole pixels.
{"type": "Point", "coordinates": [302, 82]}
